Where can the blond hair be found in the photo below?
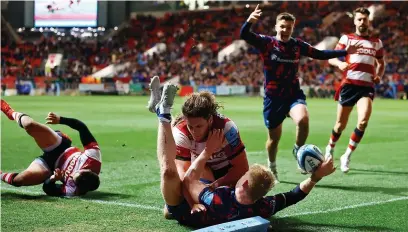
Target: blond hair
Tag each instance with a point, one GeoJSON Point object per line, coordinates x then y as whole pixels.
{"type": "Point", "coordinates": [260, 181]}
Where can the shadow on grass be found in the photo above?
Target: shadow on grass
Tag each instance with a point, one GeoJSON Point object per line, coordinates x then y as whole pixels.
{"type": "Point", "coordinates": [293, 224]}
{"type": "Point", "coordinates": [396, 191]}
{"type": "Point", "coordinates": [378, 172]}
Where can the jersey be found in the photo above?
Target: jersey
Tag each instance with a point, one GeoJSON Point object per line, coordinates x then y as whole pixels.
{"type": "Point", "coordinates": [281, 61]}
{"type": "Point", "coordinates": [281, 64]}
{"type": "Point", "coordinates": [189, 150]}
{"type": "Point", "coordinates": [73, 159]}
{"type": "Point", "coordinates": [361, 69]}
{"type": "Point", "coordinates": [222, 205]}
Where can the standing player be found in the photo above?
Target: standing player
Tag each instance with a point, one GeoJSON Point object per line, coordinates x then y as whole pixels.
{"type": "Point", "coordinates": [283, 96]}
{"type": "Point", "coordinates": [358, 85]}
{"type": "Point", "coordinates": [224, 203]}
{"type": "Point", "coordinates": [78, 171]}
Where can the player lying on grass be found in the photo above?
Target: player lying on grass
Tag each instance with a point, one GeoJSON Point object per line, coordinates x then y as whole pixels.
{"type": "Point", "coordinates": [77, 170]}
{"type": "Point", "coordinates": [221, 204]}
{"type": "Point", "coordinates": [283, 96]}
{"type": "Point", "coordinates": [190, 130]}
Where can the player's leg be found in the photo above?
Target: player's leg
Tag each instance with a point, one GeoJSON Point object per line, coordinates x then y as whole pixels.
{"type": "Point", "coordinates": [35, 174]}
{"type": "Point", "coordinates": [272, 142]}
{"type": "Point", "coordinates": [46, 138]}
{"type": "Point", "coordinates": [347, 96]}
{"type": "Point", "coordinates": [300, 117]}
{"type": "Point", "coordinates": [166, 150]}
{"type": "Point", "coordinates": [343, 114]}
{"type": "Point", "coordinates": [274, 114]}
{"type": "Point", "coordinates": [364, 109]}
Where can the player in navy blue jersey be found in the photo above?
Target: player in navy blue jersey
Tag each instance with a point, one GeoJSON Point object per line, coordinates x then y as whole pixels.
{"type": "Point", "coordinates": [222, 204]}
{"type": "Point", "coordinates": [283, 96]}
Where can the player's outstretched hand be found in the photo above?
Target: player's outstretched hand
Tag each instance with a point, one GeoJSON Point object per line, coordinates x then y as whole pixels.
{"type": "Point", "coordinates": [52, 118]}
{"type": "Point", "coordinates": [57, 175]}
{"type": "Point", "coordinates": [351, 49]}
{"type": "Point", "coordinates": [253, 18]}
{"type": "Point", "coordinates": [215, 140]}
{"type": "Point", "coordinates": [198, 208]}
{"type": "Point", "coordinates": [326, 168]}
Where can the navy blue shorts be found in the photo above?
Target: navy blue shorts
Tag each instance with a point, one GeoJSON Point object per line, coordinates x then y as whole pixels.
{"type": "Point", "coordinates": [182, 212]}
{"type": "Point", "coordinates": [350, 94]}
{"type": "Point", "coordinates": [276, 109]}
{"type": "Point", "coordinates": [51, 157]}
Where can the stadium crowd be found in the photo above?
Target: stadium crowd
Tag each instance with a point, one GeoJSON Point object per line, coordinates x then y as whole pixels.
{"type": "Point", "coordinates": [193, 40]}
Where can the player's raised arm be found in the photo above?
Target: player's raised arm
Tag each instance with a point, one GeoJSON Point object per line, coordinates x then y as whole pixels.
{"type": "Point", "coordinates": [86, 136]}
{"type": "Point", "coordinates": [307, 50]}
{"type": "Point", "coordinates": [297, 194]}
{"type": "Point", "coordinates": [250, 37]}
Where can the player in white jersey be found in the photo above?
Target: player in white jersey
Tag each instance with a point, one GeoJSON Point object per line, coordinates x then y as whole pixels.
{"type": "Point", "coordinates": [78, 171]}
{"type": "Point", "coordinates": [361, 71]}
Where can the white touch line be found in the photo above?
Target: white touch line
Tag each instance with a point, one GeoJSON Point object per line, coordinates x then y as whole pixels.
{"type": "Point", "coordinates": [256, 152]}
{"type": "Point", "coordinates": [94, 201]}
{"type": "Point", "coordinates": [283, 216]}
{"type": "Point", "coordinates": [345, 207]}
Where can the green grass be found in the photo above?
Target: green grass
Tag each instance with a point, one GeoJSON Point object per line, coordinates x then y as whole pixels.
{"type": "Point", "coordinates": [126, 132]}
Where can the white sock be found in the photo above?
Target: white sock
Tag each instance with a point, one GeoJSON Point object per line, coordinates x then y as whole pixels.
{"type": "Point", "coordinates": [348, 153]}
{"type": "Point", "coordinates": [272, 165]}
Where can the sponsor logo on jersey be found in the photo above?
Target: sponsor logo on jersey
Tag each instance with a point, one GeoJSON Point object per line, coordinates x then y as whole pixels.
{"type": "Point", "coordinates": [366, 51]}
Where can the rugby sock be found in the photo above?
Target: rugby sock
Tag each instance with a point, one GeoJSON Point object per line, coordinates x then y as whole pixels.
{"type": "Point", "coordinates": [355, 138]}
{"type": "Point", "coordinates": [17, 117]}
{"type": "Point", "coordinates": [272, 165]}
{"type": "Point", "coordinates": [8, 177]}
{"type": "Point", "coordinates": [163, 117]}
{"type": "Point", "coordinates": [334, 138]}
{"type": "Point", "coordinates": [295, 150]}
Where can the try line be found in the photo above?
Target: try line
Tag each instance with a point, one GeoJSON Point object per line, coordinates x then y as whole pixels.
{"type": "Point", "coordinates": [155, 208]}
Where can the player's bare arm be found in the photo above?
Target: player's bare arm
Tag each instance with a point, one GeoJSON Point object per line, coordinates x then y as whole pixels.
{"type": "Point", "coordinates": [191, 179]}
{"type": "Point", "coordinates": [326, 168]}
{"type": "Point", "coordinates": [380, 70]}
{"type": "Point", "coordinates": [239, 168]}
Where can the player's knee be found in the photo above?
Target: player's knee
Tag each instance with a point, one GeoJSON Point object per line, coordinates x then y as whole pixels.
{"type": "Point", "coordinates": [362, 125]}
{"type": "Point", "coordinates": [27, 123]}
{"type": "Point", "coordinates": [303, 122]}
{"type": "Point", "coordinates": [340, 126]}
{"type": "Point", "coordinates": [272, 142]}
{"type": "Point", "coordinates": [169, 173]}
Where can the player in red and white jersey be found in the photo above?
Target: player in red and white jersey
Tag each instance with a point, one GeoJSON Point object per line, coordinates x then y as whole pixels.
{"type": "Point", "coordinates": [77, 170]}
{"type": "Point", "coordinates": [220, 163]}
{"type": "Point", "coordinates": [361, 70]}
{"type": "Point", "coordinates": [190, 130]}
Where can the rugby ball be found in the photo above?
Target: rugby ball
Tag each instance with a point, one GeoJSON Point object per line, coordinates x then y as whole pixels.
{"type": "Point", "coordinates": [309, 157]}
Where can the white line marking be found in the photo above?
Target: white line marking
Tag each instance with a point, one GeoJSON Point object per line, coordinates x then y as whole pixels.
{"type": "Point", "coordinates": [256, 152]}
{"type": "Point", "coordinates": [283, 216]}
{"type": "Point", "coordinates": [345, 207]}
{"type": "Point", "coordinates": [89, 200]}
